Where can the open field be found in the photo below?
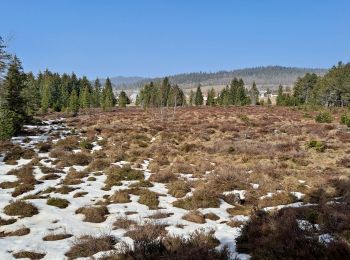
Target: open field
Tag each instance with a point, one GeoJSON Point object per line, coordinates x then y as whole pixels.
{"type": "Point", "coordinates": [95, 184]}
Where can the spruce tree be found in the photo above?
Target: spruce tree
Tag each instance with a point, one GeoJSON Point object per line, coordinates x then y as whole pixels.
{"type": "Point", "coordinates": [123, 99]}
{"type": "Point", "coordinates": [85, 98]}
{"type": "Point", "coordinates": [12, 105]}
{"type": "Point", "coordinates": [74, 103]}
{"type": "Point", "coordinates": [280, 96]}
{"type": "Point", "coordinates": [254, 94]}
{"type": "Point", "coordinates": [108, 99]}
{"type": "Point", "coordinates": [211, 98]}
{"type": "Point", "coordinates": [31, 95]}
{"type": "Point", "coordinates": [96, 96]}
{"type": "Point", "coordinates": [191, 98]}
{"type": "Point", "coordinates": [198, 97]}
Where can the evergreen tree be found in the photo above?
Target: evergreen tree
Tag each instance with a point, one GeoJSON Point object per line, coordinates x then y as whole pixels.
{"type": "Point", "coordinates": [164, 92]}
{"type": "Point", "coordinates": [198, 97]}
{"type": "Point", "coordinates": [254, 94]}
{"type": "Point", "coordinates": [85, 98]}
{"type": "Point", "coordinates": [4, 58]}
{"type": "Point", "coordinates": [45, 97]}
{"type": "Point", "coordinates": [211, 98]}
{"type": "Point", "coordinates": [108, 99]}
{"type": "Point", "coordinates": [280, 96]}
{"type": "Point", "coordinates": [96, 97]}
{"type": "Point", "coordinates": [191, 98]}
{"type": "Point", "coordinates": [74, 102]}
{"type": "Point", "coordinates": [31, 95]}
{"type": "Point", "coordinates": [123, 99]}
{"type": "Point", "coordinates": [12, 105]}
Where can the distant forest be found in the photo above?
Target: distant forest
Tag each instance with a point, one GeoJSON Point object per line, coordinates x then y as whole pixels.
{"type": "Point", "coordinates": [270, 76]}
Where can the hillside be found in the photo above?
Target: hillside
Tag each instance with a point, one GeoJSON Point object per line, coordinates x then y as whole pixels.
{"type": "Point", "coordinates": [270, 76]}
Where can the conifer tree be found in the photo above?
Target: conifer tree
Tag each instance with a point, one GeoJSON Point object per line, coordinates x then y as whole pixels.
{"type": "Point", "coordinates": [85, 98]}
{"type": "Point", "coordinates": [254, 94]}
{"type": "Point", "coordinates": [123, 99]}
{"type": "Point", "coordinates": [191, 98]}
{"type": "Point", "coordinates": [31, 95]}
{"type": "Point", "coordinates": [12, 105]}
{"type": "Point", "coordinates": [211, 98]}
{"type": "Point", "coordinates": [198, 97]}
{"type": "Point", "coordinates": [74, 103]}
{"type": "Point", "coordinates": [96, 97]}
{"type": "Point", "coordinates": [108, 99]}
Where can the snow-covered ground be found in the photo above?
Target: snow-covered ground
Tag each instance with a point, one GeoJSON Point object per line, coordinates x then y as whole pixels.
{"type": "Point", "coordinates": [53, 220]}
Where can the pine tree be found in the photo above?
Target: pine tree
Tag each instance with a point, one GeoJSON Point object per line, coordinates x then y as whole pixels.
{"type": "Point", "coordinates": [211, 98]}
{"type": "Point", "coordinates": [280, 97]}
{"type": "Point", "coordinates": [108, 99]}
{"type": "Point", "coordinates": [45, 97]}
{"type": "Point", "coordinates": [85, 98]}
{"type": "Point", "coordinates": [254, 94]}
{"type": "Point", "coordinates": [198, 97]}
{"type": "Point", "coordinates": [74, 103]}
{"type": "Point", "coordinates": [191, 98]}
{"type": "Point", "coordinates": [4, 58]}
{"type": "Point", "coordinates": [12, 105]}
{"type": "Point", "coordinates": [96, 97]}
{"type": "Point", "coordinates": [123, 99]}
{"type": "Point", "coordinates": [31, 95]}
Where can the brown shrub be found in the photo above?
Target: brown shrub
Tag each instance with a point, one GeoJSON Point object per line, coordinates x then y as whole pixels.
{"type": "Point", "coordinates": [55, 237]}
{"type": "Point", "coordinates": [86, 246]}
{"type": "Point", "coordinates": [124, 223]}
{"type": "Point", "coordinates": [93, 214]}
{"type": "Point", "coordinates": [19, 232]}
{"type": "Point", "coordinates": [4, 222]}
{"type": "Point", "coordinates": [200, 199]}
{"type": "Point", "coordinates": [163, 176]}
{"type": "Point", "coordinates": [121, 196]}
{"type": "Point", "coordinates": [20, 208]}
{"type": "Point", "coordinates": [28, 254]}
{"type": "Point", "coordinates": [99, 164]}
{"type": "Point", "coordinates": [194, 216]}
{"type": "Point", "coordinates": [178, 188]}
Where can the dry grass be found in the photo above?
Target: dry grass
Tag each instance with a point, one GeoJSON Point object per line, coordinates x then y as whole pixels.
{"type": "Point", "coordinates": [121, 196]}
{"type": "Point", "coordinates": [55, 237]}
{"type": "Point", "coordinates": [58, 202]}
{"type": "Point", "coordinates": [19, 232]}
{"type": "Point", "coordinates": [28, 254]}
{"type": "Point", "coordinates": [194, 216]}
{"type": "Point", "coordinates": [86, 246]}
{"type": "Point", "coordinates": [94, 214]}
{"type": "Point", "coordinates": [124, 223]}
{"type": "Point", "coordinates": [178, 189]}
{"type": "Point", "coordinates": [20, 208]}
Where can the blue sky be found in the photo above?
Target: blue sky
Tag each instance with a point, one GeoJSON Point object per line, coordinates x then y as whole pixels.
{"type": "Point", "coordinates": [157, 38]}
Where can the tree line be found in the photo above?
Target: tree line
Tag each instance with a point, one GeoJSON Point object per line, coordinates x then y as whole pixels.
{"type": "Point", "coordinates": [166, 95]}
{"type": "Point", "coordinates": [332, 89]}
{"type": "Point", "coordinates": [24, 95]}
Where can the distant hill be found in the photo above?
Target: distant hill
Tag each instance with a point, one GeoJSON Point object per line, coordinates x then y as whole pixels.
{"type": "Point", "coordinates": [123, 82]}
{"type": "Point", "coordinates": [270, 76]}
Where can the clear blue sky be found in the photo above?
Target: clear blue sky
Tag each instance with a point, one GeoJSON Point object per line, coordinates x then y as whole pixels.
{"type": "Point", "coordinates": [157, 38]}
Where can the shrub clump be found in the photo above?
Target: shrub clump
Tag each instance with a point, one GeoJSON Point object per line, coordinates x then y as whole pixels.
{"type": "Point", "coordinates": [317, 145]}
{"type": "Point", "coordinates": [58, 202]}
{"type": "Point", "coordinates": [323, 117]}
{"type": "Point", "coordinates": [21, 208]}
{"type": "Point", "coordinates": [178, 189]}
{"type": "Point", "coordinates": [148, 198]}
{"type": "Point", "coordinates": [199, 199]}
{"type": "Point", "coordinates": [117, 174]}
{"type": "Point", "coordinates": [121, 196]}
{"type": "Point", "coordinates": [93, 214]}
{"type": "Point", "coordinates": [87, 246]}
{"type": "Point", "coordinates": [345, 120]}
{"type": "Point", "coordinates": [151, 242]}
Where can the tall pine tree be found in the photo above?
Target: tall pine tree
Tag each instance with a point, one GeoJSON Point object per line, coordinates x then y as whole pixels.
{"type": "Point", "coordinates": [198, 100]}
